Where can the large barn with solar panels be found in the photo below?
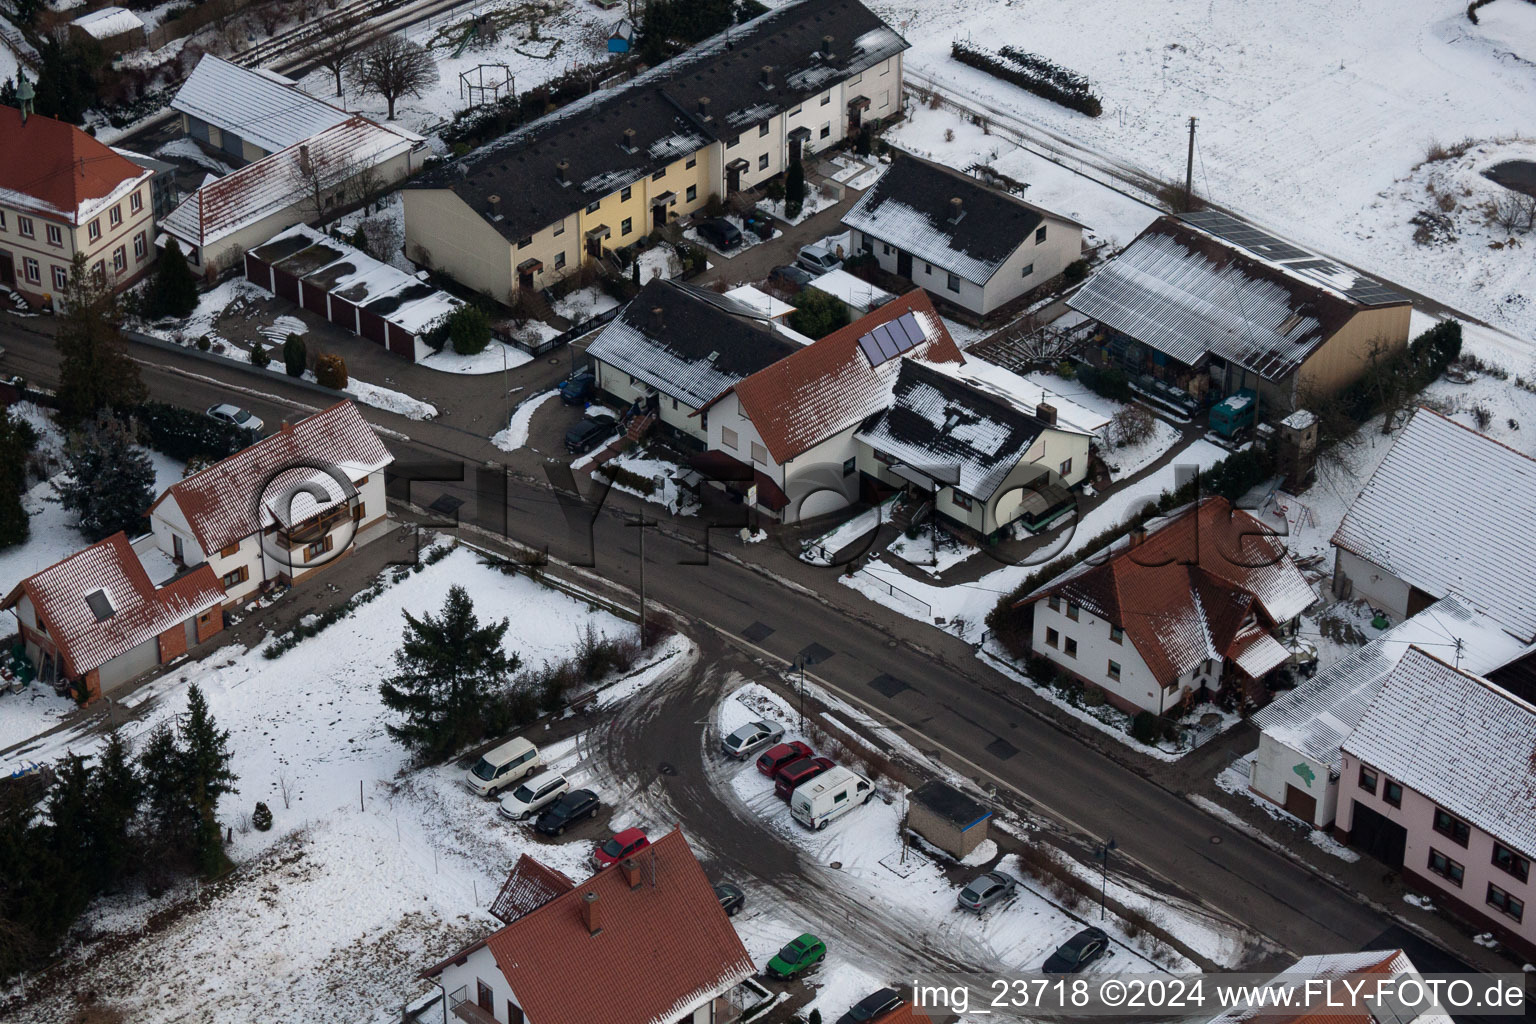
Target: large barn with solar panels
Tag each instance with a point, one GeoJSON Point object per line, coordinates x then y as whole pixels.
{"type": "Point", "coordinates": [1201, 306]}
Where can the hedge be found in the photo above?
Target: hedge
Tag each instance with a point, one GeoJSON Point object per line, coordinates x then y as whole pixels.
{"type": "Point", "coordinates": [628, 478]}
{"type": "Point", "coordinates": [184, 434]}
{"type": "Point", "coordinates": [1034, 73]}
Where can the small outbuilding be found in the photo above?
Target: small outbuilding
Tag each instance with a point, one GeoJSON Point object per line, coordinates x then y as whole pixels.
{"type": "Point", "coordinates": [947, 818]}
{"type": "Point", "coordinates": [623, 37]}
{"type": "Point", "coordinates": [114, 29]}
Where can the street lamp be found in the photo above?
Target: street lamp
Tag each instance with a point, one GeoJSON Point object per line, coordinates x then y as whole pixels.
{"type": "Point", "coordinates": [1101, 854]}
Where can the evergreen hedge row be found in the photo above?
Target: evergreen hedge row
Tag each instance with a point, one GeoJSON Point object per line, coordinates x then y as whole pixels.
{"type": "Point", "coordinates": [1034, 73]}
{"type": "Point", "coordinates": [183, 433]}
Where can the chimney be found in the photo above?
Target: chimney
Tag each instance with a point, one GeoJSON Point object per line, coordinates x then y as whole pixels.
{"type": "Point", "coordinates": [826, 46]}
{"type": "Point", "coordinates": [767, 76]}
{"type": "Point", "coordinates": [704, 107]}
{"type": "Point", "coordinates": [1137, 536]}
{"type": "Point", "coordinates": [589, 914]}
{"type": "Point", "coordinates": [629, 140]}
{"type": "Point", "coordinates": [1046, 412]}
{"type": "Point", "coordinates": [287, 427]}
{"type": "Point", "coordinates": [631, 873]}
{"type": "Point", "coordinates": [657, 320]}
{"type": "Point", "coordinates": [494, 202]}
{"type": "Point", "coordinates": [956, 210]}
{"type": "Point", "coordinates": [563, 171]}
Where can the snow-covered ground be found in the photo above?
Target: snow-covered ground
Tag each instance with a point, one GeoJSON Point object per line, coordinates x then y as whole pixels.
{"type": "Point", "coordinates": [823, 549]}
{"type": "Point", "coordinates": [497, 357]}
{"type": "Point", "coordinates": [664, 473]}
{"type": "Point", "coordinates": [516, 433]}
{"type": "Point", "coordinates": [583, 304]}
{"type": "Point", "coordinates": [919, 551]}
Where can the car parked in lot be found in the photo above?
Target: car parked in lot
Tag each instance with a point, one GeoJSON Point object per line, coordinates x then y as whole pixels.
{"type": "Point", "coordinates": [533, 796]}
{"type": "Point", "coordinates": [751, 736]}
{"type": "Point", "coordinates": [578, 387]}
{"type": "Point", "coordinates": [796, 772]}
{"type": "Point", "coordinates": [780, 754]}
{"type": "Point", "coordinates": [871, 1006]}
{"type": "Point", "coordinates": [1077, 952]}
{"type": "Point", "coordinates": [732, 899]}
{"type": "Point", "coordinates": [235, 416]}
{"type": "Point", "coordinates": [501, 766]}
{"type": "Point", "coordinates": [818, 259]}
{"type": "Point", "coordinates": [987, 891]}
{"type": "Point", "coordinates": [790, 277]}
{"type": "Point", "coordinates": [720, 233]}
{"type": "Point", "coordinates": [589, 433]}
{"type": "Point", "coordinates": [623, 844]}
{"type": "Point", "coordinates": [567, 811]}
{"type": "Point", "coordinates": [829, 796]}
{"type": "Point", "coordinates": [798, 956]}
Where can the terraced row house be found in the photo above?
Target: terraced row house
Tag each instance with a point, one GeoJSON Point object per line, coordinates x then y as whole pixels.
{"type": "Point", "coordinates": [599, 174]}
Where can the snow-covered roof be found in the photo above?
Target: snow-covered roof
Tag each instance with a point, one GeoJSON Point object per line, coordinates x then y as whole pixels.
{"type": "Point", "coordinates": [1314, 718]}
{"type": "Point", "coordinates": [760, 301]}
{"type": "Point", "coordinates": [109, 22]}
{"type": "Point", "coordinates": [1329, 1005]}
{"type": "Point", "coordinates": [1449, 511]}
{"type": "Point", "coordinates": [857, 294]}
{"type": "Point", "coordinates": [1189, 290]}
{"type": "Point", "coordinates": [55, 169]}
{"type": "Point", "coordinates": [265, 110]}
{"type": "Point", "coordinates": [1457, 739]}
{"type": "Point", "coordinates": [1025, 393]}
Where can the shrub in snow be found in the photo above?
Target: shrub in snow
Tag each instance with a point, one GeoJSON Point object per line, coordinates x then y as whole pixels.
{"type": "Point", "coordinates": [295, 356]}
{"type": "Point", "coordinates": [331, 371]}
{"type": "Point", "coordinates": [17, 439]}
{"type": "Point", "coordinates": [204, 343]}
{"type": "Point", "coordinates": [261, 818]}
{"type": "Point", "coordinates": [184, 434]}
{"type": "Point", "coordinates": [466, 328]}
{"type": "Point", "coordinates": [819, 314]}
{"type": "Point", "coordinates": [260, 357]}
{"type": "Point", "coordinates": [628, 478]}
{"type": "Point", "coordinates": [111, 480]}
{"type": "Point", "coordinates": [1075, 271]}
{"type": "Point", "coordinates": [172, 290]}
{"type": "Point", "coordinates": [1144, 727]}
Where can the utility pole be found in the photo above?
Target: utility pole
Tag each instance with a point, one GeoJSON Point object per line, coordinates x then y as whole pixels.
{"type": "Point", "coordinates": [1189, 169]}
{"type": "Point", "coordinates": [1101, 854]}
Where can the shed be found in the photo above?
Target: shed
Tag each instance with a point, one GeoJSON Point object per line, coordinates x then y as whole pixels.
{"type": "Point", "coordinates": [623, 37]}
{"type": "Point", "coordinates": [114, 29]}
{"type": "Point", "coordinates": [947, 818]}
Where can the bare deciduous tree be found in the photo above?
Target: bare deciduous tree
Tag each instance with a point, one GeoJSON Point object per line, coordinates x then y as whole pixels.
{"type": "Point", "coordinates": [321, 180]}
{"type": "Point", "coordinates": [393, 66]}
{"type": "Point", "coordinates": [332, 42]}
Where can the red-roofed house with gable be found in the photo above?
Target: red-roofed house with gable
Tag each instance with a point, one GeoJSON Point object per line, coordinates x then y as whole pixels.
{"type": "Point", "coordinates": [1199, 604]}
{"type": "Point", "coordinates": [62, 192]}
{"type": "Point", "coordinates": [237, 516]}
{"type": "Point", "coordinates": [641, 942]}
{"type": "Point", "coordinates": [96, 620]}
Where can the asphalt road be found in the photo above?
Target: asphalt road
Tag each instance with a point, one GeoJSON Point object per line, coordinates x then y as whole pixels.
{"type": "Point", "coordinates": [925, 682]}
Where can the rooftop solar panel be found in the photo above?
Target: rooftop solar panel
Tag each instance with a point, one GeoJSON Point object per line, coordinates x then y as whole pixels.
{"type": "Point", "coordinates": [911, 328]}
{"type": "Point", "coordinates": [871, 350]}
{"type": "Point", "coordinates": [888, 346]}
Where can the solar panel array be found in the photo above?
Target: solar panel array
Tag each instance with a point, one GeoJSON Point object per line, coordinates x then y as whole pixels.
{"type": "Point", "coordinates": [892, 339]}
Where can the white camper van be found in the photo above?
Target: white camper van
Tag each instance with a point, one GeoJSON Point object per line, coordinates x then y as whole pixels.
{"type": "Point", "coordinates": [829, 795]}
{"type": "Point", "coordinates": [501, 767]}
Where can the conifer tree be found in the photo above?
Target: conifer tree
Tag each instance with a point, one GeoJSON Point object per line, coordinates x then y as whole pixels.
{"type": "Point", "coordinates": [206, 776]}
{"type": "Point", "coordinates": [173, 288]}
{"type": "Point", "coordinates": [95, 372]}
{"type": "Point", "coordinates": [111, 480]}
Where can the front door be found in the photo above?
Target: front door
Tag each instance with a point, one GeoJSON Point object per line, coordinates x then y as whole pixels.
{"type": "Point", "coordinates": [1301, 804]}
{"type": "Point", "coordinates": [7, 269]}
{"type": "Point", "coordinates": [903, 264]}
{"type": "Point", "coordinates": [485, 997]}
{"type": "Point", "coordinates": [794, 151]}
{"type": "Point", "coordinates": [525, 279]}
{"type": "Point", "coordinates": [659, 216]}
{"type": "Point", "coordinates": [732, 179]}
{"type": "Point", "coordinates": [176, 549]}
{"type": "Point", "coordinates": [1378, 835]}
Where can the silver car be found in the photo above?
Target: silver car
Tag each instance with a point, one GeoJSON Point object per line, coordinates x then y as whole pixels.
{"type": "Point", "coordinates": [987, 891]}
{"type": "Point", "coordinates": [236, 416]}
{"type": "Point", "coordinates": [752, 736]}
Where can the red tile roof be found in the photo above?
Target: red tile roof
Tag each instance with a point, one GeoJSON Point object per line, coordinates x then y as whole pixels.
{"type": "Point", "coordinates": [57, 166]}
{"type": "Point", "coordinates": [1181, 595]}
{"type": "Point", "coordinates": [138, 610]}
{"type": "Point", "coordinates": [527, 888]}
{"type": "Point", "coordinates": [829, 385]}
{"type": "Point", "coordinates": [663, 948]}
{"type": "Point", "coordinates": [1334, 1005]}
{"type": "Point", "coordinates": [220, 503]}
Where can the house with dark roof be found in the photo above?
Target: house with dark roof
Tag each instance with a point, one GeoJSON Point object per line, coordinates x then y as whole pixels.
{"type": "Point", "coordinates": [784, 436]}
{"type": "Point", "coordinates": [984, 462]}
{"type": "Point", "coordinates": [602, 172]}
{"type": "Point", "coordinates": [62, 193]}
{"type": "Point", "coordinates": [96, 620]}
{"type": "Point", "coordinates": [1448, 511]}
{"type": "Point", "coordinates": [1202, 305]}
{"type": "Point", "coordinates": [676, 348]}
{"type": "Point", "coordinates": [1201, 602]}
{"type": "Point", "coordinates": [282, 508]}
{"type": "Point", "coordinates": [1438, 780]}
{"type": "Point", "coordinates": [965, 241]}
{"type": "Point", "coordinates": [643, 941]}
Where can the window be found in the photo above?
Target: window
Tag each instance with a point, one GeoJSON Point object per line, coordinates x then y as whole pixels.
{"type": "Point", "coordinates": [692, 193]}
{"type": "Point", "coordinates": [115, 215]}
{"type": "Point", "coordinates": [514, 1013]}
{"type": "Point", "coordinates": [140, 246]}
{"type": "Point", "coordinates": [55, 236]}
{"type": "Point", "coordinates": [885, 247]}
{"type": "Point", "coordinates": [849, 465]}
{"type": "Point", "coordinates": [60, 279]}
{"type": "Point", "coordinates": [626, 225]}
{"type": "Point", "coordinates": [693, 162]}
{"type": "Point", "coordinates": [953, 284]}
{"type": "Point", "coordinates": [1505, 903]}
{"type": "Point", "coordinates": [728, 437]}
{"type": "Point", "coordinates": [1054, 603]}
{"type": "Point", "coordinates": [360, 512]}
{"type": "Point", "coordinates": [659, 174]}
{"type": "Point", "coordinates": [625, 193]}
{"type": "Point", "coordinates": [733, 142]}
{"type": "Point", "coordinates": [1072, 610]}
{"type": "Point", "coordinates": [1116, 635]}
{"type": "Point", "coordinates": [232, 549]}
{"type": "Point", "coordinates": [1392, 793]}
{"type": "Point", "coordinates": [1052, 638]}
{"type": "Point", "coordinates": [759, 453]}
{"type": "Point", "coordinates": [1065, 469]}
{"type": "Point", "coordinates": [100, 270]}
{"type": "Point", "coordinates": [120, 259]}
{"type": "Point", "coordinates": [93, 229]}
{"type": "Point", "coordinates": [826, 129]}
{"type": "Point", "coordinates": [525, 241]}
{"type": "Point", "coordinates": [826, 98]}
{"type": "Point", "coordinates": [24, 225]}
{"type": "Point", "coordinates": [2, 220]}
{"type": "Point", "coordinates": [856, 79]}
{"type": "Point", "coordinates": [1446, 868]}
{"type": "Point", "coordinates": [1451, 827]}
{"type": "Point", "coordinates": [1040, 234]}
{"type": "Point", "coordinates": [559, 259]}
{"type": "Point", "coordinates": [1029, 268]}
{"type": "Point", "coordinates": [1070, 646]}
{"type": "Point", "coordinates": [236, 577]}
{"type": "Point", "coordinates": [961, 501]}
{"type": "Point", "coordinates": [1508, 860]}
{"type": "Point", "coordinates": [559, 228]}
{"type": "Point", "coordinates": [319, 547]}
{"type": "Point", "coordinates": [762, 162]}
{"type": "Point", "coordinates": [136, 202]}
{"type": "Point", "coordinates": [1367, 780]}
{"type": "Point", "coordinates": [1114, 670]}
{"type": "Point", "coordinates": [33, 271]}
{"type": "Point", "coordinates": [797, 110]}
{"type": "Point", "coordinates": [762, 129]}
{"type": "Point", "coordinates": [594, 207]}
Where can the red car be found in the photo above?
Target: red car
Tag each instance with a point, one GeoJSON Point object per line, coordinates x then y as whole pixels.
{"type": "Point", "coordinates": [624, 844]}
{"type": "Point", "coordinates": [778, 756]}
{"type": "Point", "coordinates": [796, 772]}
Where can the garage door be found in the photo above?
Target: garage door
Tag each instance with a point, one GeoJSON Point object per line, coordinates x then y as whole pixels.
{"type": "Point", "coordinates": [285, 284]}
{"type": "Point", "coordinates": [1378, 835]}
{"type": "Point", "coordinates": [314, 299]}
{"type": "Point", "coordinates": [372, 326]}
{"type": "Point", "coordinates": [343, 314]}
{"type": "Point", "coordinates": [402, 342]}
{"type": "Point", "coordinates": [258, 272]}
{"type": "Point", "coordinates": [1301, 804]}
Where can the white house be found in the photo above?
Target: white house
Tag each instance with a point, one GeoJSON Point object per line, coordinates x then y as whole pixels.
{"type": "Point", "coordinates": [1448, 511]}
{"type": "Point", "coordinates": [962, 240]}
{"type": "Point", "coordinates": [245, 113]}
{"type": "Point", "coordinates": [639, 942]}
{"type": "Point", "coordinates": [279, 510]}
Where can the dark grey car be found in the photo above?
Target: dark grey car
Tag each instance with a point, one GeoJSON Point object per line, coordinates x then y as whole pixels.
{"type": "Point", "coordinates": [987, 891]}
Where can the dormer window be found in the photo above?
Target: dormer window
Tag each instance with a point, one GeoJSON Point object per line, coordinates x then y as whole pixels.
{"type": "Point", "coordinates": [100, 605]}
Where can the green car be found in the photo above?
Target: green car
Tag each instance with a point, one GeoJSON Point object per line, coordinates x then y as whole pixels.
{"type": "Point", "coordinates": [803, 953]}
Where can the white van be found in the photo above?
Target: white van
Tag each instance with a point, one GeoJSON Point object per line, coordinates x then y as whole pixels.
{"type": "Point", "coordinates": [829, 795]}
{"type": "Point", "coordinates": [501, 767]}
{"type": "Point", "coordinates": [533, 795]}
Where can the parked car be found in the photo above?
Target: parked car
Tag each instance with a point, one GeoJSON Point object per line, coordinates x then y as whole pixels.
{"type": "Point", "coordinates": [720, 233]}
{"type": "Point", "coordinates": [797, 772]}
{"type": "Point", "coordinates": [1077, 952]}
{"type": "Point", "coordinates": [829, 796]}
{"type": "Point", "coordinates": [797, 956]}
{"type": "Point", "coordinates": [871, 1006]}
{"type": "Point", "coordinates": [790, 277]}
{"type": "Point", "coordinates": [578, 387]}
{"type": "Point", "coordinates": [732, 899]}
{"type": "Point", "coordinates": [780, 754]}
{"type": "Point", "coordinates": [818, 259]}
{"type": "Point", "coordinates": [749, 737]}
{"type": "Point", "coordinates": [987, 891]}
{"type": "Point", "coordinates": [236, 416]}
{"type": "Point", "coordinates": [533, 796]}
{"type": "Point", "coordinates": [499, 768]}
{"type": "Point", "coordinates": [589, 433]}
{"type": "Point", "coordinates": [623, 844]}
{"type": "Point", "coordinates": [567, 811]}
